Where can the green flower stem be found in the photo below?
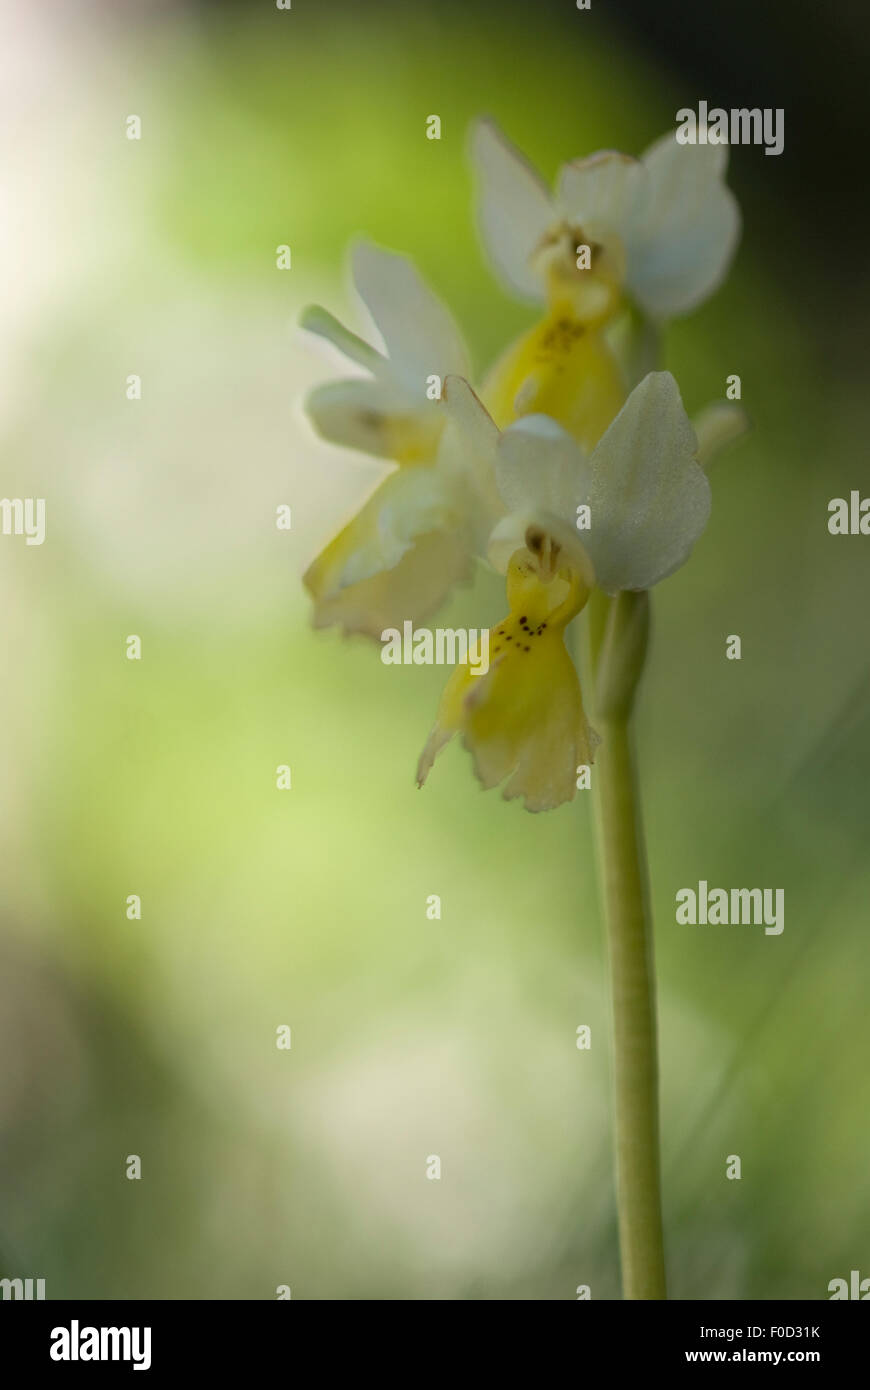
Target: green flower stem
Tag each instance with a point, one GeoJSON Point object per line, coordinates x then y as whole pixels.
{"type": "Point", "coordinates": [621, 641]}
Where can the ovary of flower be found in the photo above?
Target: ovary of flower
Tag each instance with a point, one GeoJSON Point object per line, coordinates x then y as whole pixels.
{"type": "Point", "coordinates": [402, 552]}
{"type": "Point", "coordinates": [661, 229]}
{"type": "Point", "coordinates": [648, 500]}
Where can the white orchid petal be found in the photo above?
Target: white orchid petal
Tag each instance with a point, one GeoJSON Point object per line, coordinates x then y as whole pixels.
{"type": "Point", "coordinates": [419, 332]}
{"type": "Point", "coordinates": [680, 250]}
{"type": "Point", "coordinates": [515, 209]}
{"type": "Point", "coordinates": [375, 417]}
{"type": "Point", "coordinates": [649, 498]}
{"type": "Point", "coordinates": [475, 428]}
{"type": "Point", "coordinates": [317, 320]}
{"type": "Point", "coordinates": [539, 466]}
{"type": "Point", "coordinates": [604, 193]}
{"type": "Point", "coordinates": [466, 453]}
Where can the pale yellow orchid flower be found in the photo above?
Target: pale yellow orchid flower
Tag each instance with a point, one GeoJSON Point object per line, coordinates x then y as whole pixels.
{"type": "Point", "coordinates": [400, 554]}
{"type": "Point", "coordinates": [656, 234]}
{"type": "Point", "coordinates": [622, 518]}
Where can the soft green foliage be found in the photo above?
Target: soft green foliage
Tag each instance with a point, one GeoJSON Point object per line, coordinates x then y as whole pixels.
{"type": "Point", "coordinates": [410, 1037]}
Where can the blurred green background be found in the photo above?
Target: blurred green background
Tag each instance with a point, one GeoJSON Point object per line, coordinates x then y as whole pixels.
{"type": "Point", "coordinates": [308, 908]}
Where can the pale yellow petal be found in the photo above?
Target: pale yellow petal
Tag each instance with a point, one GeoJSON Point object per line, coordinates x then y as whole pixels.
{"type": "Point", "coordinates": [397, 558]}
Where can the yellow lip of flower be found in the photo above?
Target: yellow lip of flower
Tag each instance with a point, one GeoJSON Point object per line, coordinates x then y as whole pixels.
{"type": "Point", "coordinates": [668, 218]}
{"type": "Point", "coordinates": [523, 720]}
{"type": "Point", "coordinates": [415, 537]}
{"type": "Point", "coordinates": [560, 368]}
{"type": "Point", "coordinates": [387, 412]}
{"type": "Point", "coordinates": [397, 558]}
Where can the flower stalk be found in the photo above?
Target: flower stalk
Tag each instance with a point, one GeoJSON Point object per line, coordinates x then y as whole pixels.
{"type": "Point", "coordinates": [578, 475]}
{"type": "Point", "coordinates": [618, 643]}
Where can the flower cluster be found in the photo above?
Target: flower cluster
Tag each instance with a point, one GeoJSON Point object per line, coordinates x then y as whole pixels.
{"type": "Point", "coordinates": [571, 469]}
